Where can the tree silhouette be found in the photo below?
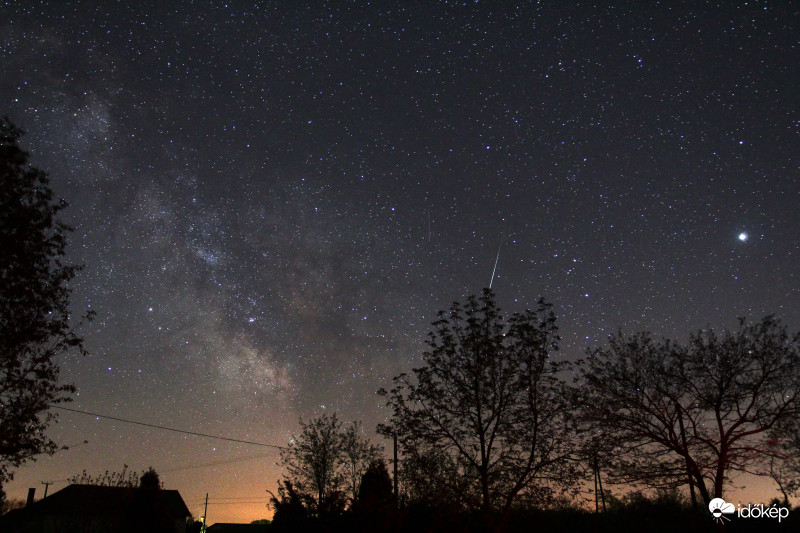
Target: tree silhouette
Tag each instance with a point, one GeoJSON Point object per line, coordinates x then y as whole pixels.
{"type": "Point", "coordinates": [291, 508]}
{"type": "Point", "coordinates": [325, 460]}
{"type": "Point", "coordinates": [376, 485]}
{"type": "Point", "coordinates": [429, 478]}
{"type": "Point", "coordinates": [122, 478]}
{"type": "Point", "coordinates": [313, 460]}
{"type": "Point", "coordinates": [487, 408]}
{"type": "Point", "coordinates": [7, 505]}
{"type": "Point", "coordinates": [673, 415]}
{"type": "Point", "coordinates": [784, 465]}
{"type": "Point", "coordinates": [34, 305]}
{"type": "Point", "coordinates": [358, 454]}
{"type": "Point", "coordinates": [375, 508]}
{"type": "Point", "coordinates": [150, 480]}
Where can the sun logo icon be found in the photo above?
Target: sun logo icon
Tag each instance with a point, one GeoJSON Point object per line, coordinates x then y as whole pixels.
{"type": "Point", "coordinates": [720, 507]}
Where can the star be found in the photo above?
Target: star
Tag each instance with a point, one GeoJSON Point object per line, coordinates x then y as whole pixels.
{"type": "Point", "coordinates": [318, 238]}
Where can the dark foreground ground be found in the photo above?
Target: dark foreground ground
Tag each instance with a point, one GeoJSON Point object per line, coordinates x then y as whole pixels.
{"type": "Point", "coordinates": [643, 518]}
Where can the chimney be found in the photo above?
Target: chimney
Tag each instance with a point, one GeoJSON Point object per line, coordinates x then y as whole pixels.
{"type": "Point", "coordinates": [31, 492]}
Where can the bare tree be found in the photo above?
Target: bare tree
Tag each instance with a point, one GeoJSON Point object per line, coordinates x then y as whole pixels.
{"type": "Point", "coordinates": [487, 408]}
{"type": "Point", "coordinates": [691, 414]}
{"type": "Point", "coordinates": [122, 478]}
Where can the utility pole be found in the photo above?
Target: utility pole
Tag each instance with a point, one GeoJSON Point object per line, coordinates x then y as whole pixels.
{"type": "Point", "coordinates": [596, 494]}
{"type": "Point", "coordinates": [396, 493]}
{"type": "Point", "coordinates": [598, 487]}
{"type": "Point", "coordinates": [46, 486]}
{"type": "Point", "coordinates": [205, 514]}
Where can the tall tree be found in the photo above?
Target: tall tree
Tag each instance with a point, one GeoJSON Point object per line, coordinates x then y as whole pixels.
{"type": "Point", "coordinates": [358, 453]}
{"type": "Point", "coordinates": [375, 509]}
{"type": "Point", "coordinates": [326, 460]}
{"type": "Point", "coordinates": [35, 326]}
{"type": "Point", "coordinates": [313, 461]}
{"type": "Point", "coordinates": [376, 485]}
{"type": "Point", "coordinates": [487, 407]}
{"type": "Point", "coordinates": [692, 414]}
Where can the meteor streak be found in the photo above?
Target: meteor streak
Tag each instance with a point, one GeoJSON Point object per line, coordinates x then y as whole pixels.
{"type": "Point", "coordinates": [496, 259]}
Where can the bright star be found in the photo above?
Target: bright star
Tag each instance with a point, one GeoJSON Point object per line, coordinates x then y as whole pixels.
{"type": "Point", "coordinates": [743, 236]}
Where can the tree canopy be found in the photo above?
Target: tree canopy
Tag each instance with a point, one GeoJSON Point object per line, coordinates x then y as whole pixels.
{"type": "Point", "coordinates": [671, 414]}
{"type": "Point", "coordinates": [35, 325]}
{"type": "Point", "coordinates": [325, 464]}
{"type": "Point", "coordinates": [487, 410]}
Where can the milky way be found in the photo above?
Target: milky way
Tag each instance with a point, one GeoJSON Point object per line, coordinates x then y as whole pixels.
{"type": "Point", "coordinates": [272, 202]}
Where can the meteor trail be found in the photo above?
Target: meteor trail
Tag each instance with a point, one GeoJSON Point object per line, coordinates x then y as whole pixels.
{"type": "Point", "coordinates": [496, 259]}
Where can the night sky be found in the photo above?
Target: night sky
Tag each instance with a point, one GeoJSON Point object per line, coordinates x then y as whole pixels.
{"type": "Point", "coordinates": [273, 201]}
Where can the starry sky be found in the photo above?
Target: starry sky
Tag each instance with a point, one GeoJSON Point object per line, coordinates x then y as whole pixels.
{"type": "Point", "coordinates": [272, 201]}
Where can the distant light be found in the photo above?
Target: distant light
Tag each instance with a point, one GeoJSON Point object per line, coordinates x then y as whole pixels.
{"type": "Point", "coordinates": [743, 236]}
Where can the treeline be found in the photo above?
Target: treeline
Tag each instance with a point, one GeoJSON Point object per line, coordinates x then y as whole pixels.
{"type": "Point", "coordinates": [495, 427]}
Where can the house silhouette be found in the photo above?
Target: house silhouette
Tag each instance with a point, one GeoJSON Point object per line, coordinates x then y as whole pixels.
{"type": "Point", "coordinates": [96, 509]}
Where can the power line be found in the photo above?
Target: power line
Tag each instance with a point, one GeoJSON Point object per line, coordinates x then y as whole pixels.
{"type": "Point", "coordinates": [196, 434]}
